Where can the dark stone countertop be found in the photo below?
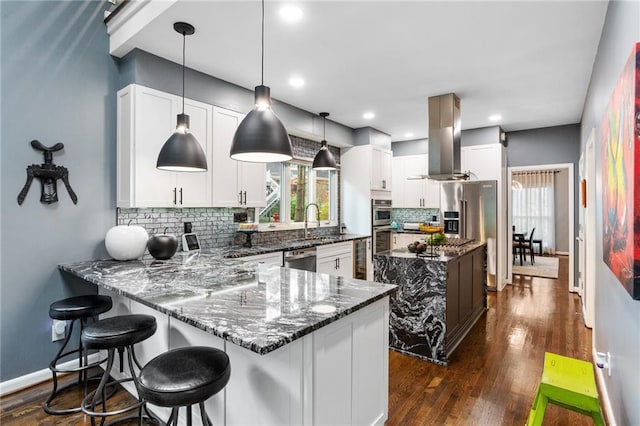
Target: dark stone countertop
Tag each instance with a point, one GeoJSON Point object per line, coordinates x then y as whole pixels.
{"type": "Point", "coordinates": [239, 251]}
{"type": "Point", "coordinates": [252, 305]}
{"type": "Point", "coordinates": [447, 254]}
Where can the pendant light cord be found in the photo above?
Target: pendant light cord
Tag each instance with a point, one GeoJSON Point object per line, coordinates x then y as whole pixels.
{"type": "Point", "coordinates": [262, 66]}
{"type": "Point", "coordinates": [184, 38]}
{"type": "Point", "coordinates": [324, 128]}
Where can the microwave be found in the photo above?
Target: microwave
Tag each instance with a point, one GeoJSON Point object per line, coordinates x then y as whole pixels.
{"type": "Point", "coordinates": [381, 212]}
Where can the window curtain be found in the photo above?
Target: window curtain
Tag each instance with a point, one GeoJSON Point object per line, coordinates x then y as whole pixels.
{"type": "Point", "coordinates": [534, 207]}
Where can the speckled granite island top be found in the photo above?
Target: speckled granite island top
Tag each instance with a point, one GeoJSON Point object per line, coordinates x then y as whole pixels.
{"type": "Point", "coordinates": [255, 306]}
{"type": "Point", "coordinates": [445, 255]}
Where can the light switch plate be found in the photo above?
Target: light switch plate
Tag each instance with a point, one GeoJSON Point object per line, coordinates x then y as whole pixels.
{"type": "Point", "coordinates": [58, 329]}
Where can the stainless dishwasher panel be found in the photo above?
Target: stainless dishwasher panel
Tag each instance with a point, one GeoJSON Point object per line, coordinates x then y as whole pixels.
{"type": "Point", "coordinates": [304, 259]}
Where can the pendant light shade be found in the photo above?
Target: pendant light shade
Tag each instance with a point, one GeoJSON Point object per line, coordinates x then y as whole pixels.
{"type": "Point", "coordinates": [261, 137]}
{"type": "Point", "coordinates": [182, 152]}
{"type": "Point", "coordinates": [324, 159]}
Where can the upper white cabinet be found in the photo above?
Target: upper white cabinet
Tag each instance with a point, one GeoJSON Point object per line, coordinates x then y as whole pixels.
{"type": "Point", "coordinates": [235, 183]}
{"type": "Point", "coordinates": [484, 161]}
{"type": "Point", "coordinates": [413, 193]}
{"type": "Point", "coordinates": [146, 119]}
{"type": "Point", "coordinates": [381, 173]}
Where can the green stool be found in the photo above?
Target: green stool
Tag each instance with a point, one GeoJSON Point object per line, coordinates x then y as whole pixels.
{"type": "Point", "coordinates": [569, 383]}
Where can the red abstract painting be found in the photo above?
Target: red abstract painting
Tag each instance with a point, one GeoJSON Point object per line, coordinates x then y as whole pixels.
{"type": "Point", "coordinates": [621, 178]}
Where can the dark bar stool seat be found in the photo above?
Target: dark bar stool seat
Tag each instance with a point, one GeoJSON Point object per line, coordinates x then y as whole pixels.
{"type": "Point", "coordinates": [72, 309]}
{"type": "Point", "coordinates": [121, 333]}
{"type": "Point", "coordinates": [184, 377]}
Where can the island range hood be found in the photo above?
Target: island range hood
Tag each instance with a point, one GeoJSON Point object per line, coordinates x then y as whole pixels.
{"type": "Point", "coordinates": [444, 139]}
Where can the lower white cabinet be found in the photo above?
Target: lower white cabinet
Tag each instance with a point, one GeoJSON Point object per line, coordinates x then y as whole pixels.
{"type": "Point", "coordinates": [337, 375]}
{"type": "Point", "coordinates": [335, 259]}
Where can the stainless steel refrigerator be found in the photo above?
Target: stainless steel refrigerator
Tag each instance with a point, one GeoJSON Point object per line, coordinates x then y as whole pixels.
{"type": "Point", "coordinates": [469, 211]}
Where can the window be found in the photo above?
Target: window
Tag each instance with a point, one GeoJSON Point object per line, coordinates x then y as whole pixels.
{"type": "Point", "coordinates": [291, 186]}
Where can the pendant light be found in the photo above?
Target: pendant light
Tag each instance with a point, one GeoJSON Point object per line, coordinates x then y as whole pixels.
{"type": "Point", "coordinates": [182, 152]}
{"type": "Point", "coordinates": [324, 159]}
{"type": "Point", "coordinates": [261, 137]}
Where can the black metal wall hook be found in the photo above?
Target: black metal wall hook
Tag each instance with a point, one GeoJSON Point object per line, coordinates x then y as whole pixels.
{"type": "Point", "coordinates": [48, 175]}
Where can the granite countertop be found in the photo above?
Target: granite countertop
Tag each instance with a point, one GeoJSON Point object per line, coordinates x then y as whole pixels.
{"type": "Point", "coordinates": [252, 305]}
{"type": "Point", "coordinates": [239, 251]}
{"type": "Point", "coordinates": [446, 254]}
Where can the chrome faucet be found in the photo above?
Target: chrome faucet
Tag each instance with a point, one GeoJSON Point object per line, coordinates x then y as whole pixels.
{"type": "Point", "coordinates": [306, 216]}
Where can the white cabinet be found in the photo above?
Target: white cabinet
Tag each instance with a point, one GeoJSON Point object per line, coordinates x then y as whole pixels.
{"type": "Point", "coordinates": [335, 259]}
{"type": "Point", "coordinates": [274, 259]}
{"type": "Point", "coordinates": [413, 193]}
{"type": "Point", "coordinates": [146, 119]}
{"type": "Point", "coordinates": [235, 183]}
{"type": "Point", "coordinates": [484, 161]}
{"type": "Point", "coordinates": [381, 172]}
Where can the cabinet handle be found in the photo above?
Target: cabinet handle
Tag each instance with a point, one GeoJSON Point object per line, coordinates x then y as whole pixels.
{"type": "Point", "coordinates": [180, 196]}
{"type": "Point", "coordinates": [240, 195]}
{"type": "Point", "coordinates": [175, 196]}
{"type": "Point", "coordinates": [338, 259]}
{"type": "Point", "coordinates": [384, 184]}
{"type": "Point", "coordinates": [245, 197]}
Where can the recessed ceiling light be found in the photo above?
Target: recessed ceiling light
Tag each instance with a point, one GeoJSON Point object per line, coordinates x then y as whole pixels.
{"type": "Point", "coordinates": [291, 13]}
{"type": "Point", "coordinates": [368, 115]}
{"type": "Point", "coordinates": [408, 135]}
{"type": "Point", "coordinates": [495, 117]}
{"type": "Point", "coordinates": [296, 81]}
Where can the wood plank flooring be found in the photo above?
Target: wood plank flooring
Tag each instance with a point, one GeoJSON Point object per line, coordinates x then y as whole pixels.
{"type": "Point", "coordinates": [491, 380]}
{"type": "Point", "coordinates": [493, 375]}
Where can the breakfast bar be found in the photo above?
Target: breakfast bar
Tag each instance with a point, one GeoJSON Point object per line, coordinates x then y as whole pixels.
{"type": "Point", "coordinates": [305, 348]}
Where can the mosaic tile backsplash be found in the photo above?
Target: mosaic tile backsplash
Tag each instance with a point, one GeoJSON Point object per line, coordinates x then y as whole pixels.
{"type": "Point", "coordinates": [413, 215]}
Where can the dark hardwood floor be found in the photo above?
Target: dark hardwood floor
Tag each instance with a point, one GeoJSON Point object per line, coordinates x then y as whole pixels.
{"type": "Point", "coordinates": [491, 380]}
{"type": "Point", "coordinates": [493, 375]}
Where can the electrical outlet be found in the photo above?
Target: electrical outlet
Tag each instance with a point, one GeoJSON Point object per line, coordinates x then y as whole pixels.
{"type": "Point", "coordinates": [58, 329]}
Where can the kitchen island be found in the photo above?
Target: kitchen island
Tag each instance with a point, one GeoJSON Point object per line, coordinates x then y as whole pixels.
{"type": "Point", "coordinates": [438, 300]}
{"type": "Point", "coordinates": [305, 348]}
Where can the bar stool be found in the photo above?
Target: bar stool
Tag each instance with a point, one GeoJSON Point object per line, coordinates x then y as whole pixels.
{"type": "Point", "coordinates": [72, 309]}
{"type": "Point", "coordinates": [121, 332]}
{"type": "Point", "coordinates": [184, 377]}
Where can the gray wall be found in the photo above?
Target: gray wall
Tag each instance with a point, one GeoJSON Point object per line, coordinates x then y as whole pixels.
{"type": "Point", "coordinates": [482, 136]}
{"type": "Point", "coordinates": [371, 136]}
{"type": "Point", "coordinates": [617, 316]}
{"type": "Point", "coordinates": [561, 200]}
{"type": "Point", "coordinates": [152, 71]}
{"type": "Point", "coordinates": [58, 85]}
{"type": "Point", "coordinates": [549, 145]}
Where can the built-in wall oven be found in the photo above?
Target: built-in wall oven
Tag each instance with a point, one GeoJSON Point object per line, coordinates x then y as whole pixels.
{"type": "Point", "coordinates": [381, 226]}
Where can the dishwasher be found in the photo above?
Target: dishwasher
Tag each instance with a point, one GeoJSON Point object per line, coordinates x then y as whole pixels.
{"type": "Point", "coordinates": [304, 259]}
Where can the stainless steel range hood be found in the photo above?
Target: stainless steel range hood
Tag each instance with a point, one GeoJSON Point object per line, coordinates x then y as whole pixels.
{"type": "Point", "coordinates": [444, 138]}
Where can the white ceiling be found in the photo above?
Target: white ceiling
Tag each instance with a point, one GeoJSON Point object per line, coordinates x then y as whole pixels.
{"type": "Point", "coordinates": [528, 61]}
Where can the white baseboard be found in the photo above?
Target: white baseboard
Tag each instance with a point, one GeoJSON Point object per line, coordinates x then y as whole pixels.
{"type": "Point", "coordinates": [22, 382]}
{"type": "Point", "coordinates": [603, 393]}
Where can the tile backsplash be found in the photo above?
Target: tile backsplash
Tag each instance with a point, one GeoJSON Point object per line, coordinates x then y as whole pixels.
{"type": "Point", "coordinates": [413, 215]}
{"type": "Point", "coordinates": [215, 226]}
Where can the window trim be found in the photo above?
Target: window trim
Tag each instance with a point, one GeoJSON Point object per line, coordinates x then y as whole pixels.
{"type": "Point", "coordinates": [285, 208]}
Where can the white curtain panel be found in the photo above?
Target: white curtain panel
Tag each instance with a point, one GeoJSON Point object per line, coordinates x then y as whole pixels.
{"type": "Point", "coordinates": [534, 207]}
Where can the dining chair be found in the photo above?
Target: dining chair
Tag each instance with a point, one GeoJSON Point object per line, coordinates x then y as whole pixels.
{"type": "Point", "coordinates": [525, 244]}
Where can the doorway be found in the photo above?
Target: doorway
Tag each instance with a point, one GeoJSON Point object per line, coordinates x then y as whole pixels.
{"type": "Point", "coordinates": [570, 237]}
